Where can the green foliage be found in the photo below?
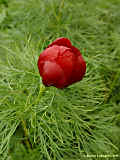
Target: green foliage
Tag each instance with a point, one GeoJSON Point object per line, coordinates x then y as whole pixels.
{"type": "Point", "coordinates": [47, 123]}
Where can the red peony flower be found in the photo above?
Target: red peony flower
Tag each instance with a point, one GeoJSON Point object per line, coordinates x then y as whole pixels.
{"type": "Point", "coordinates": [61, 64]}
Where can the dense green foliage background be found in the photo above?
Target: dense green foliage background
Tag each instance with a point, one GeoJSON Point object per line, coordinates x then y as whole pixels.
{"type": "Point", "coordinates": [79, 122]}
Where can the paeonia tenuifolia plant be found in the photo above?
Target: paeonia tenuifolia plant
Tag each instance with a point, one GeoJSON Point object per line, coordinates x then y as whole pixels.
{"type": "Point", "coordinates": [61, 64]}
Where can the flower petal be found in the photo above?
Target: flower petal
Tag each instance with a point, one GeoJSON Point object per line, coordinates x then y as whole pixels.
{"type": "Point", "coordinates": [79, 70]}
{"type": "Point", "coordinates": [76, 51]}
{"type": "Point", "coordinates": [61, 42]}
{"type": "Point", "coordinates": [66, 61]}
{"type": "Point", "coordinates": [50, 53]}
{"type": "Point", "coordinates": [52, 73]}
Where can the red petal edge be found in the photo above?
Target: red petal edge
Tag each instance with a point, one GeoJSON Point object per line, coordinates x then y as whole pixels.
{"type": "Point", "coordinates": [61, 42]}
{"type": "Point", "coordinates": [75, 51]}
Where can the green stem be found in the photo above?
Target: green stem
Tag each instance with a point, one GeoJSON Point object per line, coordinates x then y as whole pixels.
{"type": "Point", "coordinates": [113, 85]}
{"type": "Point", "coordinates": [26, 135]}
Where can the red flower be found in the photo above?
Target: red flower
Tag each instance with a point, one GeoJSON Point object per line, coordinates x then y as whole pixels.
{"type": "Point", "coordinates": [61, 64]}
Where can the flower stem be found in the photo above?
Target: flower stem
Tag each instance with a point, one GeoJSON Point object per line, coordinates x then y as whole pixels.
{"type": "Point", "coordinates": [26, 135]}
